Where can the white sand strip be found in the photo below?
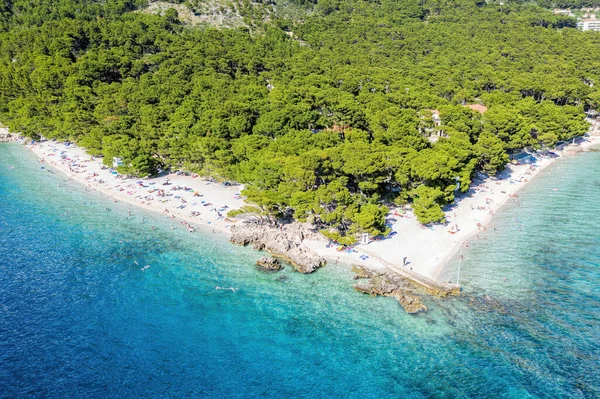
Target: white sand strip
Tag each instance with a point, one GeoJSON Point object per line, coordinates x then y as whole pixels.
{"type": "Point", "coordinates": [426, 249]}
{"type": "Point", "coordinates": [191, 202]}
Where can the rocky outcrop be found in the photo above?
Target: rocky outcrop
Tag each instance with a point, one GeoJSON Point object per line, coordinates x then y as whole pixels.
{"type": "Point", "coordinates": [362, 272]}
{"type": "Point", "coordinates": [387, 284]}
{"type": "Point", "coordinates": [269, 264]}
{"type": "Point", "coordinates": [9, 137]}
{"type": "Point", "coordinates": [284, 241]}
{"type": "Point", "coordinates": [430, 286]}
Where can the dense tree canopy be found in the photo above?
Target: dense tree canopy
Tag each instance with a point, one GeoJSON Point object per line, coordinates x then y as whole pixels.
{"type": "Point", "coordinates": [327, 118]}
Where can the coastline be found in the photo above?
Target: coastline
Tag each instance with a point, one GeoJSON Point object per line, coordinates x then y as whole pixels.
{"type": "Point", "coordinates": [202, 204]}
{"type": "Point", "coordinates": [211, 204]}
{"type": "Point", "coordinates": [571, 150]}
{"type": "Point", "coordinates": [429, 249]}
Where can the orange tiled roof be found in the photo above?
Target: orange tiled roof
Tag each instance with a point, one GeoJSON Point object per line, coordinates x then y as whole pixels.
{"type": "Point", "coordinates": [477, 107]}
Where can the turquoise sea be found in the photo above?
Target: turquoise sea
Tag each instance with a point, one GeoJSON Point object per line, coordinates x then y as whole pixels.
{"type": "Point", "coordinates": [79, 318]}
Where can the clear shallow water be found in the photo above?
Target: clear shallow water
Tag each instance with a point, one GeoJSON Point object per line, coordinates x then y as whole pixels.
{"type": "Point", "coordinates": [78, 318]}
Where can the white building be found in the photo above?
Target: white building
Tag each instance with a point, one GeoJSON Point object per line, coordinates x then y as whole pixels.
{"type": "Point", "coordinates": [563, 12]}
{"type": "Point", "coordinates": [435, 116]}
{"type": "Point", "coordinates": [589, 24]}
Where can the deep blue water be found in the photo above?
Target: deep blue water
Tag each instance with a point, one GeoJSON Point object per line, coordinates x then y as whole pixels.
{"type": "Point", "coordinates": [79, 318]}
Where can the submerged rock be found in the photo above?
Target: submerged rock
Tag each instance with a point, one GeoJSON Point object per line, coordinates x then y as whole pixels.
{"type": "Point", "coordinates": [284, 241]}
{"type": "Point", "coordinates": [269, 264]}
{"type": "Point", "coordinates": [391, 286]}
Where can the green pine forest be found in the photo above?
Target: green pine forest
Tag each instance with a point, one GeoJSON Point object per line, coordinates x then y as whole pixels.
{"type": "Point", "coordinates": [325, 117]}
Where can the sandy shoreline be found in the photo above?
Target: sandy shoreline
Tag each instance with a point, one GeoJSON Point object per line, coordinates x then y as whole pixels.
{"type": "Point", "coordinates": [429, 249]}
{"type": "Point", "coordinates": [196, 203]}
{"type": "Point", "coordinates": [191, 202]}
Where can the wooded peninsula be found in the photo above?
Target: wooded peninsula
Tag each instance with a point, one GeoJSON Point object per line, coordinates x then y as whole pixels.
{"type": "Point", "coordinates": [330, 113]}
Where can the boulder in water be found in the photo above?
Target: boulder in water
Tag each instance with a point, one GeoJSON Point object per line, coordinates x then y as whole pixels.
{"type": "Point", "coordinates": [269, 264]}
{"type": "Point", "coordinates": [284, 242]}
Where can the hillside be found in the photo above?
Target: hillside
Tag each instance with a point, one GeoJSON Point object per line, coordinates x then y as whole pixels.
{"type": "Point", "coordinates": [230, 13]}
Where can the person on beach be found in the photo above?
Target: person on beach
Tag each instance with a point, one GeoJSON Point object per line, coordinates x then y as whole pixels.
{"type": "Point", "coordinates": [404, 261]}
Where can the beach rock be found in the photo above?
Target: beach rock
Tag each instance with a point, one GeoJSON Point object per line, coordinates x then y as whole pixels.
{"type": "Point", "coordinates": [9, 137]}
{"type": "Point", "coordinates": [269, 264]}
{"type": "Point", "coordinates": [411, 303]}
{"type": "Point", "coordinates": [395, 287]}
{"type": "Point", "coordinates": [284, 241]}
{"type": "Point", "coordinates": [361, 272]}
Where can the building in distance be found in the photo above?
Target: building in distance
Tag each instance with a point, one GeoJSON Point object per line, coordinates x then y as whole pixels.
{"type": "Point", "coordinates": [566, 12]}
{"type": "Point", "coordinates": [589, 24]}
